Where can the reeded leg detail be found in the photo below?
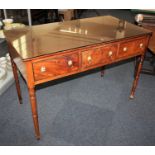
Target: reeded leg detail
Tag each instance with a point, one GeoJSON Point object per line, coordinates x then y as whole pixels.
{"type": "Point", "coordinates": [15, 73]}
{"type": "Point", "coordinates": [135, 82]}
{"type": "Point", "coordinates": [34, 111]}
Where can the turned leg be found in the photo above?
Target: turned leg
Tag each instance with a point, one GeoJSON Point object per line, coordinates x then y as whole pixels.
{"type": "Point", "coordinates": [139, 67]}
{"type": "Point", "coordinates": [34, 111]}
{"type": "Point", "coordinates": [15, 73]}
{"type": "Point", "coordinates": [102, 71]}
{"type": "Point", "coordinates": [136, 63]}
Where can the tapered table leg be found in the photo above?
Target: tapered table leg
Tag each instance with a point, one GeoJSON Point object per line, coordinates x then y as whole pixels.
{"type": "Point", "coordinates": [34, 111]}
{"type": "Point", "coordinates": [137, 60]}
{"type": "Point", "coordinates": [102, 71]}
{"type": "Point", "coordinates": [15, 73]}
{"type": "Point", "coordinates": [139, 67]}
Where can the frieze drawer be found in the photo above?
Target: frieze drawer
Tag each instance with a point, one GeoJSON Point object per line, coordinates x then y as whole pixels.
{"type": "Point", "coordinates": [132, 47]}
{"type": "Point", "coordinates": [109, 53]}
{"type": "Point", "coordinates": [56, 66]}
{"type": "Point", "coordinates": [91, 57]}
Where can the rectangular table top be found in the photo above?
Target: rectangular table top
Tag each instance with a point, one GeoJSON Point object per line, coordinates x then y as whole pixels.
{"type": "Point", "coordinates": [44, 39]}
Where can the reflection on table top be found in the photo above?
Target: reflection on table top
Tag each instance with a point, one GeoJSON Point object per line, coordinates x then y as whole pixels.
{"type": "Point", "coordinates": [55, 37]}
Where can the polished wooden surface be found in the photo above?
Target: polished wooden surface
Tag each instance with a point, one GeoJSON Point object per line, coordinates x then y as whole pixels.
{"type": "Point", "coordinates": [15, 72]}
{"type": "Point", "coordinates": [35, 41]}
{"type": "Point", "coordinates": [139, 67]}
{"type": "Point", "coordinates": [56, 66]}
{"type": "Point", "coordinates": [44, 53]}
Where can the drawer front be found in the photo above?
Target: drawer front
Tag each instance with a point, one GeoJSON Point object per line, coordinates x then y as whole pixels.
{"type": "Point", "coordinates": [56, 66]}
{"type": "Point", "coordinates": [109, 53]}
{"type": "Point", "coordinates": [91, 57]}
{"type": "Point", "coordinates": [140, 45]}
{"type": "Point", "coordinates": [132, 47]}
{"type": "Point", "coordinates": [126, 48]}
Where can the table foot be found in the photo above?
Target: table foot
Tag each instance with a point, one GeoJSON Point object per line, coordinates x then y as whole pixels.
{"type": "Point", "coordinates": [131, 97]}
{"type": "Point", "coordinates": [102, 71]}
{"type": "Point", "coordinates": [38, 137]}
{"type": "Point", "coordinates": [20, 101]}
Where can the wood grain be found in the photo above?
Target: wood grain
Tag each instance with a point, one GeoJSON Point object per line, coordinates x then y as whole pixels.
{"type": "Point", "coordinates": [32, 96]}
{"type": "Point", "coordinates": [56, 66]}
{"type": "Point", "coordinates": [91, 57]}
{"type": "Point", "coordinates": [139, 68]}
{"type": "Point", "coordinates": [109, 53]}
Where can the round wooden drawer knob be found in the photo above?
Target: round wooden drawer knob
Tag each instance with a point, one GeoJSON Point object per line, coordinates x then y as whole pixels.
{"type": "Point", "coordinates": [110, 53]}
{"type": "Point", "coordinates": [43, 69]}
{"type": "Point", "coordinates": [125, 49]}
{"type": "Point", "coordinates": [89, 58]}
{"type": "Point", "coordinates": [70, 63]}
{"type": "Point", "coordinates": [141, 45]}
